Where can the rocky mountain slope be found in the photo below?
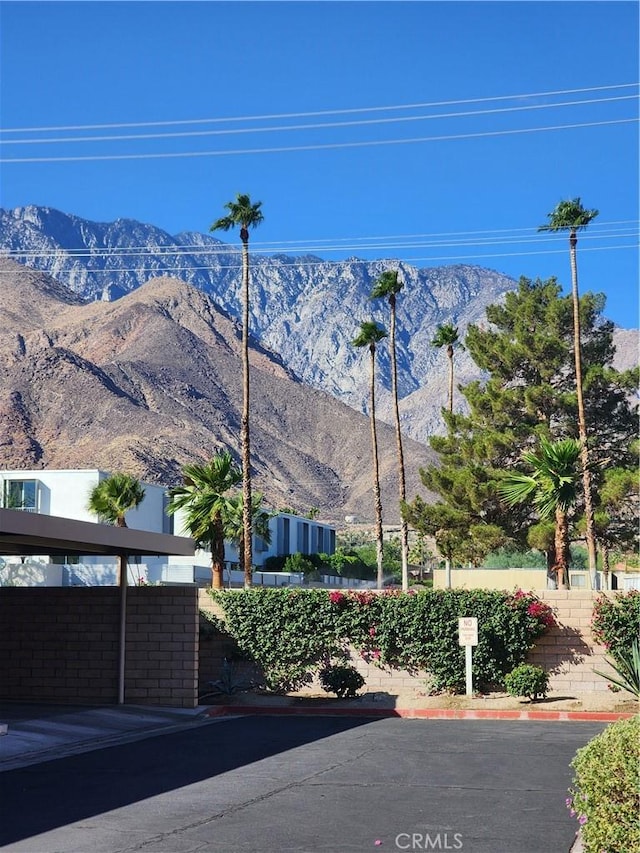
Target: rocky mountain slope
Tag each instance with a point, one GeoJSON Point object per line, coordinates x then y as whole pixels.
{"type": "Point", "coordinates": [152, 380]}
{"type": "Point", "coordinates": [304, 308]}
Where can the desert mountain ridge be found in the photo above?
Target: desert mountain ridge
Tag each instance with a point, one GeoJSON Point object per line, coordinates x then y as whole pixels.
{"type": "Point", "coordinates": [152, 381]}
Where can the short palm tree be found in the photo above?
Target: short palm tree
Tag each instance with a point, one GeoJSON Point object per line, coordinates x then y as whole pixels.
{"type": "Point", "coordinates": [243, 214]}
{"type": "Point", "coordinates": [203, 496]}
{"type": "Point", "coordinates": [387, 287]}
{"type": "Point", "coordinates": [234, 526]}
{"type": "Point", "coordinates": [369, 336]}
{"type": "Point", "coordinates": [552, 488]}
{"type": "Point", "coordinates": [114, 496]}
{"type": "Point", "coordinates": [571, 216]}
{"type": "Point", "coordinates": [447, 336]}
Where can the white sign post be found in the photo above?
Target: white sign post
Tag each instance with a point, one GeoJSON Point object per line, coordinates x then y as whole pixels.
{"type": "Point", "coordinates": [468, 637]}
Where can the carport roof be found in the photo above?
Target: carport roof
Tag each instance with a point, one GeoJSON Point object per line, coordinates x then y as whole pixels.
{"type": "Point", "coordinates": [26, 533]}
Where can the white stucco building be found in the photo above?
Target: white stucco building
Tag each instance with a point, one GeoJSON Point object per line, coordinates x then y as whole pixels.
{"type": "Point", "coordinates": [65, 493]}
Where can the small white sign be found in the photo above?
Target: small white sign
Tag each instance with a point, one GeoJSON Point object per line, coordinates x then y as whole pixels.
{"type": "Point", "coordinates": [468, 631]}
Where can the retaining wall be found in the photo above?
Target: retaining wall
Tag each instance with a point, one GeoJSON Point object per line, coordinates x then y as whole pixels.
{"type": "Point", "coordinates": [567, 652]}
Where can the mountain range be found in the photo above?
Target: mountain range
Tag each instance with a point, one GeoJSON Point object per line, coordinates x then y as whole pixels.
{"type": "Point", "coordinates": [123, 351]}
{"type": "Point", "coordinates": [151, 381]}
{"type": "Point", "coordinates": [303, 308]}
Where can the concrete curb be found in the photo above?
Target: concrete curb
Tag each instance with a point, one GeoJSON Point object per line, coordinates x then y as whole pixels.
{"type": "Point", "coordinates": [417, 713]}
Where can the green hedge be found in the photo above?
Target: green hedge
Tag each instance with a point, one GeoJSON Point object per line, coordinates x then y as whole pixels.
{"type": "Point", "coordinates": [291, 633]}
{"type": "Point", "coordinates": [604, 797]}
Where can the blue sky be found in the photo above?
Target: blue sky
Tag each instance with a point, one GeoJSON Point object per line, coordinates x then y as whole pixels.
{"type": "Point", "coordinates": [405, 130]}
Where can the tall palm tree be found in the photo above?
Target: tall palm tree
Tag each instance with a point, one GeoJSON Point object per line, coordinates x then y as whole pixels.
{"type": "Point", "coordinates": [369, 336]}
{"type": "Point", "coordinates": [111, 498]}
{"type": "Point", "coordinates": [447, 336]}
{"type": "Point", "coordinates": [245, 215]}
{"type": "Point", "coordinates": [203, 496]}
{"type": "Point", "coordinates": [571, 216]}
{"type": "Point", "coordinates": [387, 287]}
{"type": "Point", "coordinates": [234, 526]}
{"type": "Point", "coordinates": [552, 488]}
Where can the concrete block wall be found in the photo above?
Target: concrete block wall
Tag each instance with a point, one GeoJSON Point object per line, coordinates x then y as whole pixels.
{"type": "Point", "coordinates": [567, 652]}
{"type": "Point", "coordinates": [62, 645]}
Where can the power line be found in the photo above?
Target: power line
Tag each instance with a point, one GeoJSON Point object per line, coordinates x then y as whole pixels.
{"type": "Point", "coordinates": [429, 258]}
{"type": "Point", "coordinates": [309, 114]}
{"type": "Point", "coordinates": [312, 147]}
{"type": "Point", "coordinates": [470, 238]}
{"type": "Point", "coordinates": [320, 126]}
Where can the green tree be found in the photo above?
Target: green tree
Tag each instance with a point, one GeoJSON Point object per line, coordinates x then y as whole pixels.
{"type": "Point", "coordinates": [526, 354]}
{"type": "Point", "coordinates": [552, 488]}
{"type": "Point", "coordinates": [616, 517]}
{"type": "Point", "coordinates": [369, 336]}
{"type": "Point", "coordinates": [387, 287]}
{"type": "Point", "coordinates": [204, 498]}
{"type": "Point", "coordinates": [111, 498]}
{"type": "Point", "coordinates": [245, 215]}
{"type": "Point", "coordinates": [234, 526]}
{"type": "Point", "coordinates": [571, 216]}
{"type": "Point", "coordinates": [447, 336]}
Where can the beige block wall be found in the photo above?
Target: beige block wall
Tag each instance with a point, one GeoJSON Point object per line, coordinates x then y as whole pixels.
{"type": "Point", "coordinates": [492, 579]}
{"type": "Point", "coordinates": [567, 652]}
{"type": "Point", "coordinates": [62, 645]}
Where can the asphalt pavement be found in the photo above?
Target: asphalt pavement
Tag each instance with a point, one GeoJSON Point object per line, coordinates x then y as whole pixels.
{"type": "Point", "coordinates": [321, 784]}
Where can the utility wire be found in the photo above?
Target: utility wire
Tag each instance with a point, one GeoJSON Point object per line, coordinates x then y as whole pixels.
{"type": "Point", "coordinates": [312, 147]}
{"type": "Point", "coordinates": [309, 114]}
{"type": "Point", "coordinates": [371, 244]}
{"type": "Point", "coordinates": [320, 126]}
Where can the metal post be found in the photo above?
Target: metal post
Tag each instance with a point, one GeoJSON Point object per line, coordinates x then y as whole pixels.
{"type": "Point", "coordinates": [122, 559]}
{"type": "Point", "coordinates": [468, 652]}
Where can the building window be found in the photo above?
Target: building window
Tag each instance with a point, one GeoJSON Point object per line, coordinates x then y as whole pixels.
{"type": "Point", "coordinates": [21, 494]}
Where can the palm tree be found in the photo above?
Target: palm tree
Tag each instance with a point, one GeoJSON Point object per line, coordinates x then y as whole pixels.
{"type": "Point", "coordinates": [245, 215]}
{"type": "Point", "coordinates": [111, 498]}
{"type": "Point", "coordinates": [571, 216]}
{"type": "Point", "coordinates": [203, 496]}
{"type": "Point", "coordinates": [553, 490]}
{"type": "Point", "coordinates": [370, 334]}
{"type": "Point", "coordinates": [234, 526]}
{"type": "Point", "coordinates": [447, 336]}
{"type": "Point", "coordinates": [388, 286]}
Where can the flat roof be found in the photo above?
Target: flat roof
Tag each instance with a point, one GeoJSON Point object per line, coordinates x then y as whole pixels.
{"type": "Point", "coordinates": [25, 533]}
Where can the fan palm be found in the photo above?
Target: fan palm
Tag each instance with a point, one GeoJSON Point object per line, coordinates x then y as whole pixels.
{"type": "Point", "coordinates": [203, 497]}
{"type": "Point", "coordinates": [369, 336]}
{"type": "Point", "coordinates": [387, 287]}
{"type": "Point", "coordinates": [552, 488]}
{"type": "Point", "coordinates": [243, 214]}
{"type": "Point", "coordinates": [447, 336]}
{"type": "Point", "coordinates": [571, 216]}
{"type": "Point", "coordinates": [111, 498]}
{"type": "Point", "coordinates": [234, 526]}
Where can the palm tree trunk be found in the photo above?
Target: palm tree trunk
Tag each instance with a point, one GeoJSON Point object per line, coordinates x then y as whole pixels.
{"type": "Point", "coordinates": [450, 356]}
{"type": "Point", "coordinates": [582, 424]}
{"type": "Point", "coordinates": [562, 548]}
{"type": "Point", "coordinates": [245, 439]}
{"type": "Point", "coordinates": [217, 554]}
{"type": "Point", "coordinates": [376, 474]}
{"type": "Point", "coordinates": [402, 488]}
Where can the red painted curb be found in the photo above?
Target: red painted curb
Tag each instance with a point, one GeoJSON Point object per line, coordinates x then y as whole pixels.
{"type": "Point", "coordinates": [418, 713]}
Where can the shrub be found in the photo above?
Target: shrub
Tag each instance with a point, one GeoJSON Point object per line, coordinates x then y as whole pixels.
{"type": "Point", "coordinates": [527, 680]}
{"type": "Point", "coordinates": [291, 632]}
{"type": "Point", "coordinates": [604, 794]}
{"type": "Point", "coordinates": [615, 621]}
{"type": "Point", "coordinates": [344, 681]}
{"type": "Point", "coordinates": [627, 669]}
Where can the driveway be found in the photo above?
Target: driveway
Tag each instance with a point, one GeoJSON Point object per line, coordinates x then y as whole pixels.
{"type": "Point", "coordinates": [305, 785]}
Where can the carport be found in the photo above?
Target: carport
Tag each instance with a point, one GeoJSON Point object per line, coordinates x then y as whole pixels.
{"type": "Point", "coordinates": [24, 534]}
